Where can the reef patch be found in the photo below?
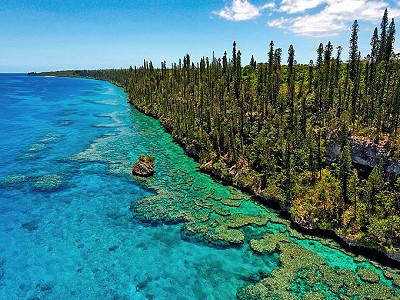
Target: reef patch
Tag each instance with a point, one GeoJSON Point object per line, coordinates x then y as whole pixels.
{"type": "Point", "coordinates": [50, 182]}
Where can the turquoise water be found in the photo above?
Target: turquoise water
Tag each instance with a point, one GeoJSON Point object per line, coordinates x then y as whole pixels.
{"type": "Point", "coordinates": [75, 225]}
{"type": "Point", "coordinates": [75, 237]}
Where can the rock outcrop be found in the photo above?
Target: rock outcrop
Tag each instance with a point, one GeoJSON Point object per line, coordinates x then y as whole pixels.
{"type": "Point", "coordinates": [367, 154]}
{"type": "Point", "coordinates": [144, 166]}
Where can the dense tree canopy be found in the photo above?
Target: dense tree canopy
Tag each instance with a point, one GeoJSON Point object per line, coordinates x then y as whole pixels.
{"type": "Point", "coordinates": [266, 127]}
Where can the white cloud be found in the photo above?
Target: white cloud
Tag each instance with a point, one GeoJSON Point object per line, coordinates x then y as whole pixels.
{"type": "Point", "coordinates": [316, 25]}
{"type": "Point", "coordinates": [334, 17]}
{"type": "Point", "coordinates": [279, 23]}
{"type": "Point", "coordinates": [269, 5]}
{"type": "Point", "coordinates": [296, 6]}
{"type": "Point", "coordinates": [311, 17]}
{"type": "Point", "coordinates": [242, 10]}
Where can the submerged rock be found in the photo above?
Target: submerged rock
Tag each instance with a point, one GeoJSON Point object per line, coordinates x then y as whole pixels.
{"type": "Point", "coordinates": [144, 166]}
{"type": "Point", "coordinates": [31, 226]}
{"type": "Point", "coordinates": [13, 180]}
{"type": "Point", "coordinates": [2, 271]}
{"type": "Point", "coordinates": [48, 182]}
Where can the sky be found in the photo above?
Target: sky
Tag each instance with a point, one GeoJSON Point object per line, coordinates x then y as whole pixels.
{"type": "Point", "coordinates": [42, 35]}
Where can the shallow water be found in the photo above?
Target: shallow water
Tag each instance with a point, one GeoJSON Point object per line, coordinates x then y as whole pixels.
{"type": "Point", "coordinates": [67, 230]}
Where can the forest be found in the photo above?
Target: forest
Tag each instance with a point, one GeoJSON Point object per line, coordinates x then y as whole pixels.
{"type": "Point", "coordinates": [287, 131]}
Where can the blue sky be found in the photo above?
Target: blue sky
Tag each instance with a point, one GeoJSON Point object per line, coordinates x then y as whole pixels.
{"type": "Point", "coordinates": [41, 35]}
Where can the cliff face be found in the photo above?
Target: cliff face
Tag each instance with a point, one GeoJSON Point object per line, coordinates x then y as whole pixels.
{"type": "Point", "coordinates": [367, 155]}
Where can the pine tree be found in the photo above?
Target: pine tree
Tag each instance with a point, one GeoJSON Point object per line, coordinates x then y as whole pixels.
{"type": "Point", "coordinates": [390, 40]}
{"type": "Point", "coordinates": [328, 83]}
{"type": "Point", "coordinates": [373, 186]}
{"type": "Point", "coordinates": [253, 62]}
{"type": "Point", "coordinates": [236, 73]}
{"type": "Point", "coordinates": [383, 37]}
{"type": "Point", "coordinates": [319, 82]}
{"type": "Point", "coordinates": [395, 110]}
{"type": "Point", "coordinates": [353, 190]}
{"type": "Point", "coordinates": [353, 68]}
{"type": "Point", "coordinates": [290, 83]}
{"type": "Point", "coordinates": [353, 55]}
{"type": "Point", "coordinates": [310, 75]}
{"type": "Point", "coordinates": [338, 62]}
{"type": "Point", "coordinates": [270, 57]}
{"type": "Point", "coordinates": [276, 78]}
{"type": "Point", "coordinates": [375, 46]}
{"type": "Point", "coordinates": [270, 89]}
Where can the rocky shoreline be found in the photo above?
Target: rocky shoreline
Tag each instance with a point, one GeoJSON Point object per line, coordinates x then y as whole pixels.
{"type": "Point", "coordinates": [387, 258]}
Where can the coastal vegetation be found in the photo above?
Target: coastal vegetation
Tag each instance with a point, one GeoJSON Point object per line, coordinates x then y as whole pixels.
{"type": "Point", "coordinates": [289, 133]}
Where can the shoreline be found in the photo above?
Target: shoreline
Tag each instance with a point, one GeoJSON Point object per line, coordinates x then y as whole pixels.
{"type": "Point", "coordinates": [355, 247]}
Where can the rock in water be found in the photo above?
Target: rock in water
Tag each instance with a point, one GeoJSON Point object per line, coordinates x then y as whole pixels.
{"type": "Point", "coordinates": [144, 166]}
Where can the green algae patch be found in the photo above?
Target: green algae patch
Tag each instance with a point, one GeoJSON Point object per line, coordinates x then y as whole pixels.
{"type": "Point", "coordinates": [218, 236]}
{"type": "Point", "coordinates": [360, 259]}
{"type": "Point", "coordinates": [257, 292]}
{"type": "Point", "coordinates": [295, 234]}
{"type": "Point", "coordinates": [230, 202]}
{"type": "Point", "coordinates": [393, 276]}
{"type": "Point", "coordinates": [314, 296]}
{"type": "Point", "coordinates": [269, 243]}
{"type": "Point", "coordinates": [241, 220]}
{"type": "Point", "coordinates": [235, 195]}
{"type": "Point", "coordinates": [232, 236]}
{"type": "Point", "coordinates": [396, 281]}
{"type": "Point", "coordinates": [221, 211]}
{"type": "Point", "coordinates": [367, 275]}
{"type": "Point", "coordinates": [149, 209]}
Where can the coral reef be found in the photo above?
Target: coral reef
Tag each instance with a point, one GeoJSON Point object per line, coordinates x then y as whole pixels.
{"type": "Point", "coordinates": [37, 148]}
{"type": "Point", "coordinates": [13, 179]}
{"type": "Point", "coordinates": [367, 275]}
{"type": "Point", "coordinates": [221, 216]}
{"type": "Point", "coordinates": [303, 274]}
{"type": "Point", "coordinates": [48, 182]}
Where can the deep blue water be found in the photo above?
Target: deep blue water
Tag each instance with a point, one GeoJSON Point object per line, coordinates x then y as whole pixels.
{"type": "Point", "coordinates": [66, 229]}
